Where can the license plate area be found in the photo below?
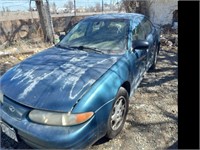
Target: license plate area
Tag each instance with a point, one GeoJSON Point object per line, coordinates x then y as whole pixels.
{"type": "Point", "coordinates": [9, 131]}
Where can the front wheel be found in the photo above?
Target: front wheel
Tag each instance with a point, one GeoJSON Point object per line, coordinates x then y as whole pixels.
{"type": "Point", "coordinates": [118, 114]}
{"type": "Point", "coordinates": [155, 57]}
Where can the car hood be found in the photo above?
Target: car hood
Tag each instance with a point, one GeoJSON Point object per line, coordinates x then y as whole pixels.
{"type": "Point", "coordinates": [55, 78]}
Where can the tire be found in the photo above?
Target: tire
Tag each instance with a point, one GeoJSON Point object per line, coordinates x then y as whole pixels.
{"type": "Point", "coordinates": [155, 57]}
{"type": "Point", "coordinates": [118, 114]}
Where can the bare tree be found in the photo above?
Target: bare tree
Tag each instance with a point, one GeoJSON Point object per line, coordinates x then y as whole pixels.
{"type": "Point", "coordinates": [138, 6]}
{"type": "Point", "coordinates": [69, 5]}
{"type": "Point", "coordinates": [54, 8]}
{"type": "Point", "coordinates": [45, 20]}
{"type": "Point", "coordinates": [97, 7]}
{"type": "Point", "coordinates": [91, 9]}
{"type": "Point", "coordinates": [129, 6]}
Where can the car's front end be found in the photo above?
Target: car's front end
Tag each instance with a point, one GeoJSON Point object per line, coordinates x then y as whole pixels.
{"type": "Point", "coordinates": [17, 117]}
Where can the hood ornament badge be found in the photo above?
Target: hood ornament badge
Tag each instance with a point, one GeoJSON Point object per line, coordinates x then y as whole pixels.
{"type": "Point", "coordinates": [12, 108]}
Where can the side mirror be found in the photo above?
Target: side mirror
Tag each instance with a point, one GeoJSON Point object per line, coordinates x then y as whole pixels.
{"type": "Point", "coordinates": [61, 37]}
{"type": "Point", "coordinates": [140, 44]}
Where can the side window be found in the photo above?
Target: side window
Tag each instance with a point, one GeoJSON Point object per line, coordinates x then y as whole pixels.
{"type": "Point", "coordinates": [147, 26]}
{"type": "Point", "coordinates": [138, 33]}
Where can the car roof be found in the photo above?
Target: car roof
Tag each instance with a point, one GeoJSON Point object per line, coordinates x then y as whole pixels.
{"type": "Point", "coordinates": [129, 16]}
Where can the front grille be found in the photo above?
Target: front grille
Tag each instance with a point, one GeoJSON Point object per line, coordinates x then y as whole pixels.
{"type": "Point", "coordinates": [14, 109]}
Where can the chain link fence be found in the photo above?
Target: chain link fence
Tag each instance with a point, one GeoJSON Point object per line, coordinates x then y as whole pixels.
{"type": "Point", "coordinates": [61, 6]}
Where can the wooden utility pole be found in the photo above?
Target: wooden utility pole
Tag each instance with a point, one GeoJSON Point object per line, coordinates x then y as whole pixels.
{"type": "Point", "coordinates": [74, 7]}
{"type": "Point", "coordinates": [102, 5]}
{"type": "Point", "coordinates": [45, 20]}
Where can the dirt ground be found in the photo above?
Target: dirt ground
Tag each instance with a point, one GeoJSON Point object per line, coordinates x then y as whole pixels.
{"type": "Point", "coordinates": [152, 121]}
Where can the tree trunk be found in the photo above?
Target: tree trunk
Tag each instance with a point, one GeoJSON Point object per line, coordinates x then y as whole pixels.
{"type": "Point", "coordinates": [138, 6]}
{"type": "Point", "coordinates": [45, 21]}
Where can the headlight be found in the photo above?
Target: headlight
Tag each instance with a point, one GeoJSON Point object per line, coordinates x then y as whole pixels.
{"type": "Point", "coordinates": [59, 119]}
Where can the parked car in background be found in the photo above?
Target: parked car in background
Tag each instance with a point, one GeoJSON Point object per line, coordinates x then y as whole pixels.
{"type": "Point", "coordinates": [76, 92]}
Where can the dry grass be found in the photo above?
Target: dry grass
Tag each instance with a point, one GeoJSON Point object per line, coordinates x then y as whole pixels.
{"type": "Point", "coordinates": [27, 45]}
{"type": "Point", "coordinates": [4, 16]}
{"type": "Point", "coordinates": [16, 53]}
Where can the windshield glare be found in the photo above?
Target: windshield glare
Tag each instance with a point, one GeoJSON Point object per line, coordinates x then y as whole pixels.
{"type": "Point", "coordinates": [105, 35]}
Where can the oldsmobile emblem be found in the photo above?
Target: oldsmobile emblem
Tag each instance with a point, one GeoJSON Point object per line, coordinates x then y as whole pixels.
{"type": "Point", "coordinates": [12, 108]}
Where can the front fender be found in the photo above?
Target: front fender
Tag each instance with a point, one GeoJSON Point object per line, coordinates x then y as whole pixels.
{"type": "Point", "coordinates": [100, 97]}
{"type": "Point", "coordinates": [104, 89]}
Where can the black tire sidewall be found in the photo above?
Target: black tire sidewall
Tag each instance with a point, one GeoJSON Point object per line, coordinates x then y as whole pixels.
{"type": "Point", "coordinates": [155, 57]}
{"type": "Point", "coordinates": [110, 132]}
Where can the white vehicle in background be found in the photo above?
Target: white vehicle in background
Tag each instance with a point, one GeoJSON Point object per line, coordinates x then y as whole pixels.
{"type": "Point", "coordinates": [62, 10]}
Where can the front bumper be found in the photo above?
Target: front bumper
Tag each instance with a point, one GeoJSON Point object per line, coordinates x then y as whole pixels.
{"type": "Point", "coordinates": [44, 136]}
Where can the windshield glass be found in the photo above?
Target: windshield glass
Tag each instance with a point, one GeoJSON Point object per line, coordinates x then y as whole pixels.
{"type": "Point", "coordinates": [104, 35]}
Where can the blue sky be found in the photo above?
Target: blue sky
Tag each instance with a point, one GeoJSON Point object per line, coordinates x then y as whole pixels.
{"type": "Point", "coordinates": [14, 5]}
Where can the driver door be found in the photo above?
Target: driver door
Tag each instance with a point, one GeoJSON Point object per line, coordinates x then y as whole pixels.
{"type": "Point", "coordinates": [141, 55]}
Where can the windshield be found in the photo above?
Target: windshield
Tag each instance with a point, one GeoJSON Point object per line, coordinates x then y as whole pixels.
{"type": "Point", "coordinates": [104, 35]}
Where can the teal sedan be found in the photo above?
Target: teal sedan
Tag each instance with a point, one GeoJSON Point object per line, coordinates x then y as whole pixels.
{"type": "Point", "coordinates": [76, 92]}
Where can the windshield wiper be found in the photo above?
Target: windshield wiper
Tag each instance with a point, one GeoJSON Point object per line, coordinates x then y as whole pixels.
{"type": "Point", "coordinates": [82, 47]}
{"type": "Point", "coordinates": [64, 47]}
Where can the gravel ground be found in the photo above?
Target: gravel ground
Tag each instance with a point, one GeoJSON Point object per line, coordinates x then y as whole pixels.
{"type": "Point", "coordinates": [152, 121]}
